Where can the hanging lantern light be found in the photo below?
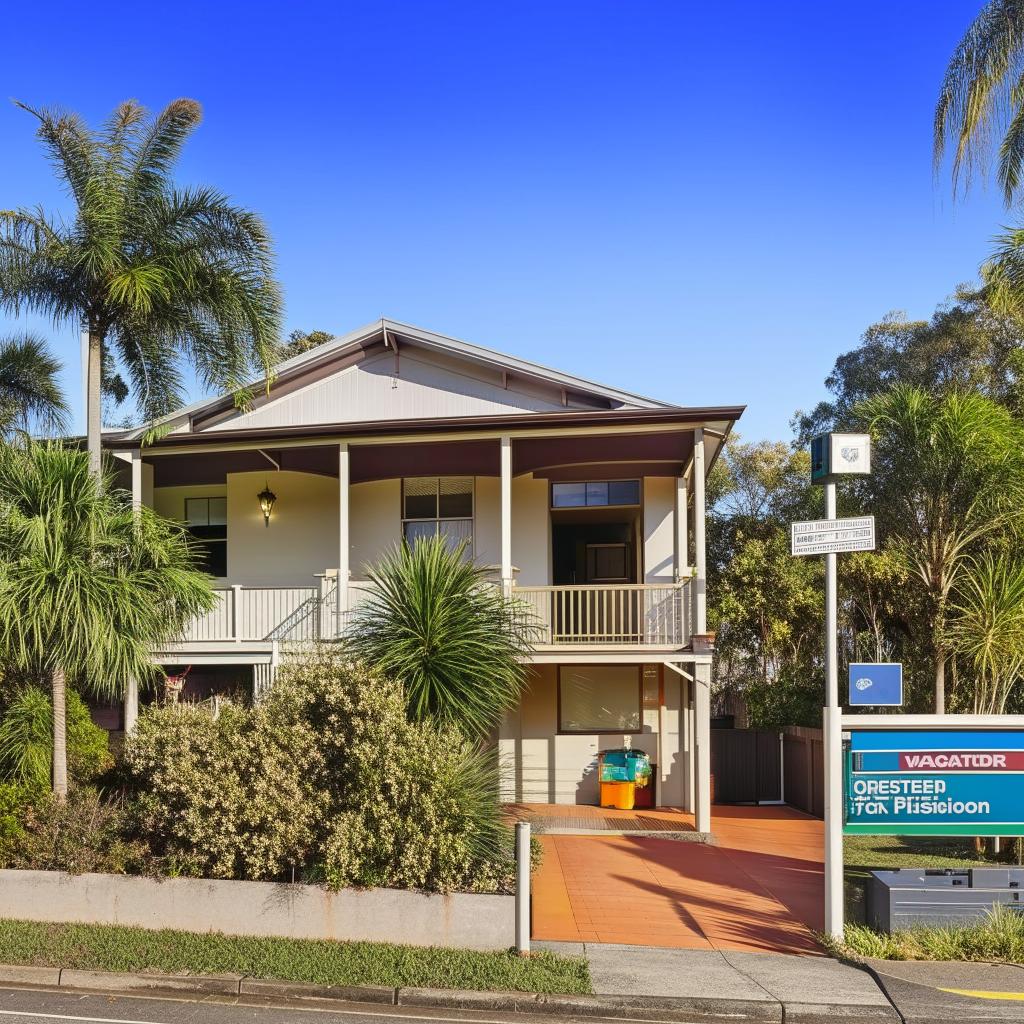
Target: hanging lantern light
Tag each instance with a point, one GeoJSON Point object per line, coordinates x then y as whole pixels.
{"type": "Point", "coordinates": [266, 498]}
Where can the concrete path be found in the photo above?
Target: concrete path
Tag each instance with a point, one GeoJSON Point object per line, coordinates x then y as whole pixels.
{"type": "Point", "coordinates": [748, 986]}
{"type": "Point", "coordinates": [758, 889]}
{"type": "Point", "coordinates": [932, 992]}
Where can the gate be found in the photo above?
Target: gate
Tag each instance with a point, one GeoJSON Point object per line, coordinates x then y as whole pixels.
{"type": "Point", "coordinates": [746, 765]}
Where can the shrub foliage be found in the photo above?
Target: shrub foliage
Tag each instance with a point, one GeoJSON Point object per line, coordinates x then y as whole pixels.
{"type": "Point", "coordinates": [327, 779]}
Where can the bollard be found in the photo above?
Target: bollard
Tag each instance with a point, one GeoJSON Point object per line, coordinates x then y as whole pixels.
{"type": "Point", "coordinates": [523, 888]}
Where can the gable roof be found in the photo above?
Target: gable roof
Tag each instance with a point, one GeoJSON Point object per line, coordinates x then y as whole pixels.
{"type": "Point", "coordinates": [318, 364]}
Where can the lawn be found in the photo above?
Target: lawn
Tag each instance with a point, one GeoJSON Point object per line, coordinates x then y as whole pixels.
{"type": "Point", "coordinates": [113, 948]}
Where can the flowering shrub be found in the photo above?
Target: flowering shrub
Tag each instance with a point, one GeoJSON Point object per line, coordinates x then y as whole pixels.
{"type": "Point", "coordinates": [326, 779]}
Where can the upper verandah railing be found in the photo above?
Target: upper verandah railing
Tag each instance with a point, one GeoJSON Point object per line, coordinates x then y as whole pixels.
{"type": "Point", "coordinates": [630, 615]}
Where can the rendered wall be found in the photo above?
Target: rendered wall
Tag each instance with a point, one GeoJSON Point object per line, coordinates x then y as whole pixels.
{"type": "Point", "coordinates": [261, 908]}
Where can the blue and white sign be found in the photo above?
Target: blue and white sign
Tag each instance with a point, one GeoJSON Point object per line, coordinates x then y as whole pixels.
{"type": "Point", "coordinates": [935, 782]}
{"type": "Point", "coordinates": [876, 685]}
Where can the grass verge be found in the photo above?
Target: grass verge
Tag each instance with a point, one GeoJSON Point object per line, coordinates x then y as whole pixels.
{"type": "Point", "coordinates": [1000, 937]}
{"type": "Point", "coordinates": [113, 948]}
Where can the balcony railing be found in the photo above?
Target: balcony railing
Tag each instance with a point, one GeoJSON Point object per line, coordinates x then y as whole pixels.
{"type": "Point", "coordinates": [640, 614]}
{"type": "Point", "coordinates": [647, 615]}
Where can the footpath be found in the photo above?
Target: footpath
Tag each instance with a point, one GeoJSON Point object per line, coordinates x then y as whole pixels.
{"type": "Point", "coordinates": [642, 983]}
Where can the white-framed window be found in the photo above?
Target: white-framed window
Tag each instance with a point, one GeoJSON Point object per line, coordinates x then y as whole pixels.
{"type": "Point", "coordinates": [438, 506]}
{"type": "Point", "coordinates": [206, 519]}
{"type": "Point", "coordinates": [600, 698]}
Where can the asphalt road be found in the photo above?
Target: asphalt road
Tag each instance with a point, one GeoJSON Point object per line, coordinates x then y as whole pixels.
{"type": "Point", "coordinates": [35, 1006]}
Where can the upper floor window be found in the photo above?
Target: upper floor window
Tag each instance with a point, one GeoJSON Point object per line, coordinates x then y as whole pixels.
{"type": "Point", "coordinates": [438, 506]}
{"type": "Point", "coordinates": [206, 519]}
{"type": "Point", "coordinates": [595, 493]}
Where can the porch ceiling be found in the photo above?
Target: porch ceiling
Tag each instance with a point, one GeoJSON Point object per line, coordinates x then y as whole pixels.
{"type": "Point", "coordinates": [660, 454]}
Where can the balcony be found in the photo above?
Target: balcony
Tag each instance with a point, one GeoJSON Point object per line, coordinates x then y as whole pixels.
{"type": "Point", "coordinates": [569, 617]}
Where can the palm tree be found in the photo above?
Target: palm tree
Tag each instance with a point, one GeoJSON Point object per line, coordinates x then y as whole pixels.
{"type": "Point", "coordinates": [88, 586]}
{"type": "Point", "coordinates": [156, 275]}
{"type": "Point", "coordinates": [981, 97]}
{"type": "Point", "coordinates": [434, 622]}
{"type": "Point", "coordinates": [30, 396]}
{"type": "Point", "coordinates": [947, 478]}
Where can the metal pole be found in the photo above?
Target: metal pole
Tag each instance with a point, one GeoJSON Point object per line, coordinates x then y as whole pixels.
{"type": "Point", "coordinates": [523, 888]}
{"type": "Point", "coordinates": [833, 744]}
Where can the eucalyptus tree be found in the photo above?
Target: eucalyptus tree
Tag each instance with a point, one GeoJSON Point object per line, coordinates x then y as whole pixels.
{"type": "Point", "coordinates": [159, 277]}
{"type": "Point", "coordinates": [88, 585]}
{"type": "Point", "coordinates": [30, 395]}
{"type": "Point", "coordinates": [947, 481]}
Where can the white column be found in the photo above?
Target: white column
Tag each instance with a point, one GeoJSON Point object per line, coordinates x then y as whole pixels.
{"type": "Point", "coordinates": [131, 692]}
{"type": "Point", "coordinates": [833, 745]}
{"type": "Point", "coordinates": [506, 513]}
{"type": "Point", "coordinates": [702, 746]}
{"type": "Point", "coordinates": [700, 600]}
{"type": "Point", "coordinates": [682, 530]}
{"type": "Point", "coordinates": [343, 539]}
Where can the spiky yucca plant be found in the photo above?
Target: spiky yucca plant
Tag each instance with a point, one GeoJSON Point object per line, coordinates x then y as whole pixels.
{"type": "Point", "coordinates": [435, 622]}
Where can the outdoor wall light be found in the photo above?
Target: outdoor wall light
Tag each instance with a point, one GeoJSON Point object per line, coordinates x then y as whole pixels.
{"type": "Point", "coordinates": [266, 498]}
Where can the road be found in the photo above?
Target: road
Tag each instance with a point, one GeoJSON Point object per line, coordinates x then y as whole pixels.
{"type": "Point", "coordinates": [36, 1006]}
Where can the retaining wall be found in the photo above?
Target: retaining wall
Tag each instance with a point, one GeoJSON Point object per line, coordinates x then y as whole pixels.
{"type": "Point", "coordinates": [261, 908]}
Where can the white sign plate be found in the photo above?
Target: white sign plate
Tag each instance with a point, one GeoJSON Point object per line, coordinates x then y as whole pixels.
{"type": "Point", "coordinates": [825, 536]}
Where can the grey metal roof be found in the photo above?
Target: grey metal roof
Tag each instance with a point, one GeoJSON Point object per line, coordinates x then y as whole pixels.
{"type": "Point", "coordinates": [430, 340]}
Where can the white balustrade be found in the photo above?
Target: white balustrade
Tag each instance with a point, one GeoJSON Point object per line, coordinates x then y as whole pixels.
{"type": "Point", "coordinates": [650, 615]}
{"type": "Point", "coordinates": [640, 614]}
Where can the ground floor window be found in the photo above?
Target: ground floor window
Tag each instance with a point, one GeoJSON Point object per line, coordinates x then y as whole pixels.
{"type": "Point", "coordinates": [599, 698]}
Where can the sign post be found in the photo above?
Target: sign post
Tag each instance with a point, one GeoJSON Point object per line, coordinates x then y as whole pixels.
{"type": "Point", "coordinates": [832, 456]}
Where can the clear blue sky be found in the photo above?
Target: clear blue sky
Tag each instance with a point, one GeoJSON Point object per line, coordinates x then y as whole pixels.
{"type": "Point", "coordinates": [701, 202]}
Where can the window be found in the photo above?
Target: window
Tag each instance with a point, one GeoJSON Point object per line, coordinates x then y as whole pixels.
{"type": "Point", "coordinates": [595, 493]}
{"type": "Point", "coordinates": [206, 519]}
{"type": "Point", "coordinates": [438, 506]}
{"type": "Point", "coordinates": [599, 698]}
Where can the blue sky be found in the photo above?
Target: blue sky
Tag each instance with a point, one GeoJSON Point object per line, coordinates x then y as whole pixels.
{"type": "Point", "coordinates": [704, 203]}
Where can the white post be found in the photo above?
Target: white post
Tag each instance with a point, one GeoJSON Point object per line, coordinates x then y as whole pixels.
{"type": "Point", "coordinates": [343, 539]}
{"type": "Point", "coordinates": [523, 888]}
{"type": "Point", "coordinates": [506, 513]}
{"type": "Point", "coordinates": [833, 743]}
{"type": "Point", "coordinates": [682, 531]}
{"type": "Point", "coordinates": [700, 600]}
{"type": "Point", "coordinates": [236, 601]}
{"type": "Point", "coordinates": [131, 692]}
{"type": "Point", "coordinates": [702, 746]}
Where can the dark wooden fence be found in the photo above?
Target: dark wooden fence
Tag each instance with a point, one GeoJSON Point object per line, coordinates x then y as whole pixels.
{"type": "Point", "coordinates": [746, 766]}
{"type": "Point", "coordinates": [804, 769]}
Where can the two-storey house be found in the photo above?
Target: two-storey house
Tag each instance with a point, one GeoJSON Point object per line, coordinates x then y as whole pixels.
{"type": "Point", "coordinates": [587, 502]}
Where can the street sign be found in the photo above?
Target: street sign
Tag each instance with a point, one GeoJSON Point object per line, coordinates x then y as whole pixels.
{"type": "Point", "coordinates": [876, 684]}
{"type": "Point", "coordinates": [836, 455]}
{"type": "Point", "coordinates": [935, 782]}
{"type": "Point", "coordinates": [828, 536]}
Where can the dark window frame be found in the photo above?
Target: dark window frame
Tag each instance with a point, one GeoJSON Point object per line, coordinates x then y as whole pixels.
{"type": "Point", "coordinates": [562, 731]}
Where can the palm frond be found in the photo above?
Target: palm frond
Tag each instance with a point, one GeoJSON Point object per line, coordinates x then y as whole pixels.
{"type": "Point", "coordinates": [29, 393]}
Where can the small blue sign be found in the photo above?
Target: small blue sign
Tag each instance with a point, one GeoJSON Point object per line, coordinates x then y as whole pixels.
{"type": "Point", "coordinates": [876, 685]}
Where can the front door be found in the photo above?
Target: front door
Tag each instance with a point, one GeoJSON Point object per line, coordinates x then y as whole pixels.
{"type": "Point", "coordinates": [608, 563]}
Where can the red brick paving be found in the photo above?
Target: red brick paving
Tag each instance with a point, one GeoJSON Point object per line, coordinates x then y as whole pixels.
{"type": "Point", "coordinates": [759, 889]}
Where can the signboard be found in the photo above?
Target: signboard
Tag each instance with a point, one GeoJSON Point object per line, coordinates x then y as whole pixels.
{"type": "Point", "coordinates": [876, 684]}
{"type": "Point", "coordinates": [823, 536]}
{"type": "Point", "coordinates": [934, 782]}
{"type": "Point", "coordinates": [836, 455]}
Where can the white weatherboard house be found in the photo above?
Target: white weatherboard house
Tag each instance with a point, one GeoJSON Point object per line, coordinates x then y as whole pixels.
{"type": "Point", "coordinates": [586, 501]}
